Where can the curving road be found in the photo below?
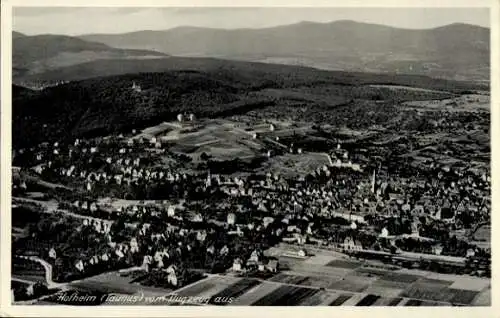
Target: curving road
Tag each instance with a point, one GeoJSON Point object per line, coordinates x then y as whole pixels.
{"type": "Point", "coordinates": [52, 207]}
{"type": "Point", "coordinates": [48, 270]}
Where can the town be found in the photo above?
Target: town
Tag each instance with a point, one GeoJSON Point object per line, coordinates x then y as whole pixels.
{"type": "Point", "coordinates": [256, 199]}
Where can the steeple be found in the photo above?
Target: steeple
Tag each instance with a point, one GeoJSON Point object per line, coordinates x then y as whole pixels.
{"type": "Point", "coordinates": [136, 87]}
{"type": "Point", "coordinates": [373, 182]}
{"type": "Point", "coordinates": [208, 181]}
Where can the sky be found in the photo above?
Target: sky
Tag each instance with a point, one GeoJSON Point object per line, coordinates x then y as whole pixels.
{"type": "Point", "coordinates": [85, 20]}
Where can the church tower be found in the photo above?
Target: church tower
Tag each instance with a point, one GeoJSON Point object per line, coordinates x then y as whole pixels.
{"type": "Point", "coordinates": [373, 182]}
{"type": "Point", "coordinates": [136, 87]}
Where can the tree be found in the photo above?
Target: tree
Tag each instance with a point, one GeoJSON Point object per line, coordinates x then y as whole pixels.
{"type": "Point", "coordinates": [39, 289]}
{"type": "Point", "coordinates": [204, 156]}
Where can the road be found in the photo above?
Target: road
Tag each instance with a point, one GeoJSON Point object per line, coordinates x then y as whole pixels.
{"type": "Point", "coordinates": [52, 207]}
{"type": "Point", "coordinates": [48, 271]}
{"type": "Point", "coordinates": [46, 184]}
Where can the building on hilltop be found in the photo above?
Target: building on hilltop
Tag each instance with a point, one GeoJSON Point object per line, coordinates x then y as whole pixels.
{"type": "Point", "coordinates": [373, 182]}
{"type": "Point", "coordinates": [136, 88]}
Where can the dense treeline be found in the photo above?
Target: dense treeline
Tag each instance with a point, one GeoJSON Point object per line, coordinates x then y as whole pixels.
{"type": "Point", "coordinates": [109, 104]}
{"type": "Point", "coordinates": [260, 74]}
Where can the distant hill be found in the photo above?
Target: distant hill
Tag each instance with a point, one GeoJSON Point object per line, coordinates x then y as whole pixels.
{"type": "Point", "coordinates": [456, 51]}
{"type": "Point", "coordinates": [207, 87]}
{"type": "Point", "coordinates": [20, 91]}
{"type": "Point", "coordinates": [39, 53]}
{"type": "Point", "coordinates": [17, 34]}
{"type": "Point", "coordinates": [239, 71]}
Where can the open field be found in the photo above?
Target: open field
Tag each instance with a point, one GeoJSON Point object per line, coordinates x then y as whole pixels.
{"type": "Point", "coordinates": [437, 292]}
{"type": "Point", "coordinates": [483, 299]}
{"type": "Point", "coordinates": [348, 282]}
{"type": "Point", "coordinates": [481, 282]}
{"type": "Point", "coordinates": [319, 259]}
{"type": "Point", "coordinates": [463, 103]}
{"type": "Point", "coordinates": [255, 293]}
{"type": "Point", "coordinates": [317, 281]}
{"type": "Point", "coordinates": [220, 139]}
{"type": "Point", "coordinates": [226, 151]}
{"type": "Point", "coordinates": [287, 290]}
{"type": "Point", "coordinates": [223, 139]}
{"type": "Point", "coordinates": [112, 282]}
{"type": "Point", "coordinates": [387, 292]}
{"type": "Point", "coordinates": [321, 298]}
{"type": "Point", "coordinates": [288, 279]}
{"type": "Point", "coordinates": [319, 270]}
{"type": "Point", "coordinates": [483, 233]}
{"type": "Point", "coordinates": [344, 264]}
{"type": "Point", "coordinates": [470, 284]}
{"type": "Point", "coordinates": [285, 296]}
{"type": "Point", "coordinates": [208, 287]}
{"type": "Point", "coordinates": [154, 131]}
{"type": "Point", "coordinates": [387, 284]}
{"type": "Point", "coordinates": [401, 87]}
{"type": "Point", "coordinates": [235, 290]}
{"type": "Point", "coordinates": [352, 285]}
{"type": "Point", "coordinates": [294, 164]}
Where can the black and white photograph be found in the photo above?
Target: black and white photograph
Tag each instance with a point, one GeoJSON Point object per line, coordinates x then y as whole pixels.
{"type": "Point", "coordinates": [250, 156]}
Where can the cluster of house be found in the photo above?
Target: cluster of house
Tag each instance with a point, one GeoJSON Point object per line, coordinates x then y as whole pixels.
{"type": "Point", "coordinates": [413, 197]}
{"type": "Point", "coordinates": [340, 158]}
{"type": "Point", "coordinates": [447, 120]}
{"type": "Point", "coordinates": [157, 248]}
{"type": "Point", "coordinates": [119, 251]}
{"type": "Point", "coordinates": [348, 195]}
{"type": "Point", "coordinates": [444, 194]}
{"type": "Point", "coordinates": [340, 190]}
{"type": "Point", "coordinates": [256, 261]}
{"type": "Point", "coordinates": [117, 168]}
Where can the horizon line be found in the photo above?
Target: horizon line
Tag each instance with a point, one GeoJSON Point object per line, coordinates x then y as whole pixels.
{"type": "Point", "coordinates": [261, 28]}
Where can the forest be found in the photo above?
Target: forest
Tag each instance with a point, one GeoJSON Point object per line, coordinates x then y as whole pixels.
{"type": "Point", "coordinates": [107, 105]}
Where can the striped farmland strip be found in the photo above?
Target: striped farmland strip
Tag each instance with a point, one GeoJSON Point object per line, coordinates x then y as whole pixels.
{"type": "Point", "coordinates": [297, 296]}
{"type": "Point", "coordinates": [255, 294]}
{"type": "Point", "coordinates": [235, 290]}
{"type": "Point", "coordinates": [395, 301]}
{"type": "Point", "coordinates": [340, 300]}
{"type": "Point", "coordinates": [349, 285]}
{"type": "Point", "coordinates": [413, 302]}
{"type": "Point", "coordinates": [274, 296]}
{"type": "Point", "coordinates": [341, 263]}
{"type": "Point", "coordinates": [317, 298]}
{"type": "Point", "coordinates": [368, 300]}
{"type": "Point", "coordinates": [285, 296]}
{"type": "Point", "coordinates": [400, 277]}
{"type": "Point", "coordinates": [288, 279]}
{"type": "Point", "coordinates": [196, 289]}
